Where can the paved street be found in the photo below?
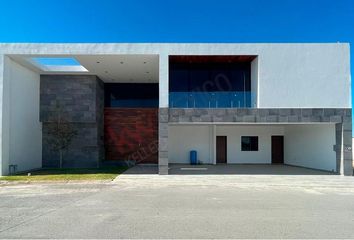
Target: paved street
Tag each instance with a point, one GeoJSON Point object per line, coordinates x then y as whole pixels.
{"type": "Point", "coordinates": [182, 206]}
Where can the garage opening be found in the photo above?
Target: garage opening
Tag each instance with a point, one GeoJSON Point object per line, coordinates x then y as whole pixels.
{"type": "Point", "coordinates": [254, 148]}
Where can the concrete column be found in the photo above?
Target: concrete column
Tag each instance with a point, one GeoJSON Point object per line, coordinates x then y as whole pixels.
{"type": "Point", "coordinates": [344, 147]}
{"type": "Point", "coordinates": [4, 115]}
{"type": "Point", "coordinates": [338, 147]}
{"type": "Point", "coordinates": [163, 114]}
{"type": "Point", "coordinates": [163, 141]}
{"type": "Point", "coordinates": [213, 140]}
{"type": "Point", "coordinates": [347, 147]}
{"type": "Point", "coordinates": [2, 172]}
{"type": "Point", "coordinates": [163, 81]}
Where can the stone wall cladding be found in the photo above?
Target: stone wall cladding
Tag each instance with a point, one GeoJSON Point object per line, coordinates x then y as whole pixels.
{"type": "Point", "coordinates": [81, 98]}
{"type": "Point", "coordinates": [82, 152]}
{"type": "Point", "coordinates": [100, 118]}
{"type": "Point", "coordinates": [281, 115]}
{"type": "Point", "coordinates": [163, 140]}
{"type": "Point", "coordinates": [77, 94]}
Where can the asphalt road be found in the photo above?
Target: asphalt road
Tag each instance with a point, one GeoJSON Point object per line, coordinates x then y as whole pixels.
{"type": "Point", "coordinates": [182, 206]}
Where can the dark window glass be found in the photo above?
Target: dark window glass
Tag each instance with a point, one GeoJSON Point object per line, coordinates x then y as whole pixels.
{"type": "Point", "coordinates": [179, 79]}
{"type": "Point", "coordinates": [221, 78]}
{"type": "Point", "coordinates": [134, 95]}
{"type": "Point", "coordinates": [198, 75]}
{"type": "Point", "coordinates": [209, 76]}
{"type": "Point", "coordinates": [249, 143]}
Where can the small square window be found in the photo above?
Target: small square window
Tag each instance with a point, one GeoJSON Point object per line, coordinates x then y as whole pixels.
{"type": "Point", "coordinates": [249, 143]}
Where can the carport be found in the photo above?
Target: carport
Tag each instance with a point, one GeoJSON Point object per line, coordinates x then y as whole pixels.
{"type": "Point", "coordinates": [254, 148]}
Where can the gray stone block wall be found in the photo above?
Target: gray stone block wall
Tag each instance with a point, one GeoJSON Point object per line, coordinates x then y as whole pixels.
{"type": "Point", "coordinates": [82, 152]}
{"type": "Point", "coordinates": [280, 115]}
{"type": "Point", "coordinates": [163, 141]}
{"type": "Point", "coordinates": [82, 101]}
{"type": "Point", "coordinates": [76, 94]}
{"type": "Point", "coordinates": [100, 118]}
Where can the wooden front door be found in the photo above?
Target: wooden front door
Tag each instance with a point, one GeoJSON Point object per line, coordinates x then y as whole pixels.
{"type": "Point", "coordinates": [277, 149]}
{"type": "Point", "coordinates": [221, 149]}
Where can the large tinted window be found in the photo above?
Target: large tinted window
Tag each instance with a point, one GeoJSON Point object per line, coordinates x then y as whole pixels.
{"type": "Point", "coordinates": [131, 95]}
{"type": "Point", "coordinates": [211, 77]}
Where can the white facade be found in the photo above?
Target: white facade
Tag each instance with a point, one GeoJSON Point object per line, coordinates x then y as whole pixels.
{"type": "Point", "coordinates": [282, 76]}
{"type": "Point", "coordinates": [302, 75]}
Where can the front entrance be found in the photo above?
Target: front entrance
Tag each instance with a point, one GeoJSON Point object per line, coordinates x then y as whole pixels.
{"type": "Point", "coordinates": [277, 149]}
{"type": "Point", "coordinates": [221, 149]}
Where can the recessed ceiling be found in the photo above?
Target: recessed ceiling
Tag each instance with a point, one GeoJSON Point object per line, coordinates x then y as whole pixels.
{"type": "Point", "coordinates": [122, 68]}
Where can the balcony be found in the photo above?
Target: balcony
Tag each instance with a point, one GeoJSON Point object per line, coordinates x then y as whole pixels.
{"type": "Point", "coordinates": [212, 100]}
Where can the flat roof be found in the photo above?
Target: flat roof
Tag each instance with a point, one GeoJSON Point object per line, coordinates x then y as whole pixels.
{"type": "Point", "coordinates": [153, 48]}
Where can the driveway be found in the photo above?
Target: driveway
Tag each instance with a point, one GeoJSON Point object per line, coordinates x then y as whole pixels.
{"type": "Point", "coordinates": [140, 204]}
{"type": "Point", "coordinates": [248, 169]}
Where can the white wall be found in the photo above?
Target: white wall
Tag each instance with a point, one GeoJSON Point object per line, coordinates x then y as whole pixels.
{"type": "Point", "coordinates": [310, 146]}
{"type": "Point", "coordinates": [4, 114]}
{"type": "Point", "coordinates": [22, 130]}
{"type": "Point", "coordinates": [183, 139]}
{"type": "Point", "coordinates": [234, 133]}
{"type": "Point", "coordinates": [305, 76]}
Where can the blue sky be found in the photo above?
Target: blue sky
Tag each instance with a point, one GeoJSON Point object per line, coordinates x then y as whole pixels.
{"type": "Point", "coordinates": [177, 21]}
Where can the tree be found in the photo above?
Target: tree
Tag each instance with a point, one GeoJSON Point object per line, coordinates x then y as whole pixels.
{"type": "Point", "coordinates": [61, 133]}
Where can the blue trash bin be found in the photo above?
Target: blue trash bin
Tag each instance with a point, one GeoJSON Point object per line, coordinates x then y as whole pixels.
{"type": "Point", "coordinates": [193, 157]}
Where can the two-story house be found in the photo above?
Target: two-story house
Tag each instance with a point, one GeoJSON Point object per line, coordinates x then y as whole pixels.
{"type": "Point", "coordinates": [155, 103]}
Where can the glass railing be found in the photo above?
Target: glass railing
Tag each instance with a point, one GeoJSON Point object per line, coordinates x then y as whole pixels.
{"type": "Point", "coordinates": [211, 100]}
